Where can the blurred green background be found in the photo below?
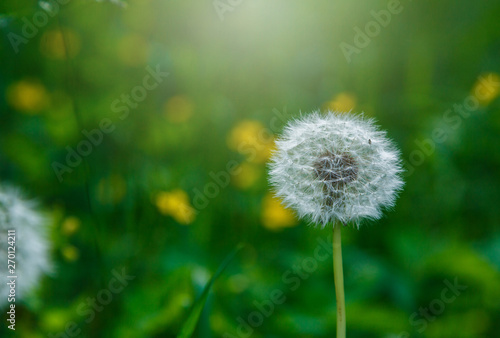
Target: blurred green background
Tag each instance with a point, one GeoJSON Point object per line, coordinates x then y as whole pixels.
{"type": "Point", "coordinates": [181, 178]}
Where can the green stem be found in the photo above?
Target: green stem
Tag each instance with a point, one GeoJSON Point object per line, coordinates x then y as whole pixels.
{"type": "Point", "coordinates": [339, 280]}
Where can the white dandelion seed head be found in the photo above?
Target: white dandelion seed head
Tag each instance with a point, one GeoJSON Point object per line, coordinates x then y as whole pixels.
{"type": "Point", "coordinates": [336, 167]}
{"type": "Point", "coordinates": [31, 245]}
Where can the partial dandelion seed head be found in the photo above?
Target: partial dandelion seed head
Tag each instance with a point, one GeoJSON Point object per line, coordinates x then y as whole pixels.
{"type": "Point", "coordinates": [31, 245]}
{"type": "Point", "coordinates": [336, 167]}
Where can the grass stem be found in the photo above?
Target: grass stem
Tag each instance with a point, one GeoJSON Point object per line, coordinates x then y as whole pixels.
{"type": "Point", "coordinates": [339, 280]}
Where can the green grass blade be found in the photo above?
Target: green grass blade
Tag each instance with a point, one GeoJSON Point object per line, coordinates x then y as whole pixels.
{"type": "Point", "coordinates": [190, 324]}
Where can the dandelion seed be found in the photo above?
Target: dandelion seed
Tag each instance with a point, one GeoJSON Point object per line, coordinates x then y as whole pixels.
{"type": "Point", "coordinates": [336, 168]}
{"type": "Point", "coordinates": [325, 169]}
{"type": "Point", "coordinates": [31, 245]}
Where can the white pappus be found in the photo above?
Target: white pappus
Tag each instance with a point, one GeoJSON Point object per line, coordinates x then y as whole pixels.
{"type": "Point", "coordinates": [336, 167]}
{"type": "Point", "coordinates": [31, 253]}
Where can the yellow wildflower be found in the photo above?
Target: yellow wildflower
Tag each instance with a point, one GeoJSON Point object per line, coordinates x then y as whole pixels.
{"type": "Point", "coordinates": [343, 102]}
{"type": "Point", "coordinates": [176, 204]}
{"type": "Point", "coordinates": [28, 96]}
{"type": "Point", "coordinates": [251, 139]}
{"type": "Point", "coordinates": [275, 216]}
{"type": "Point", "coordinates": [487, 88]}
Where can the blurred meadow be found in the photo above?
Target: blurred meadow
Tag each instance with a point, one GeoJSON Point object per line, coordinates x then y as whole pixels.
{"type": "Point", "coordinates": [143, 128]}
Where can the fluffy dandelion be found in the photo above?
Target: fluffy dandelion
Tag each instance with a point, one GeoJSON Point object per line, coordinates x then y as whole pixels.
{"type": "Point", "coordinates": [31, 246]}
{"type": "Point", "coordinates": [336, 168]}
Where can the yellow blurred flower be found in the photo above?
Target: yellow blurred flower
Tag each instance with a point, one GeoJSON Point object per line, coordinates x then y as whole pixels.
{"type": "Point", "coordinates": [248, 174]}
{"type": "Point", "coordinates": [251, 139]}
{"type": "Point", "coordinates": [70, 225]}
{"type": "Point", "coordinates": [55, 43]}
{"type": "Point", "coordinates": [178, 109]}
{"type": "Point", "coordinates": [70, 253]}
{"type": "Point", "coordinates": [487, 88]}
{"type": "Point", "coordinates": [343, 102]}
{"type": "Point", "coordinates": [176, 204]}
{"type": "Point", "coordinates": [275, 216]}
{"type": "Point", "coordinates": [28, 96]}
{"type": "Point", "coordinates": [111, 190]}
{"type": "Point", "coordinates": [133, 50]}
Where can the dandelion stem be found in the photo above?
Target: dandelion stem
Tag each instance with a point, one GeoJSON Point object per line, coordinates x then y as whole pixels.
{"type": "Point", "coordinates": [339, 280]}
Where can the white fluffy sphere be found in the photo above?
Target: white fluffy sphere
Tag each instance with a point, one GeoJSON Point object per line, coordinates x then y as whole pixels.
{"type": "Point", "coordinates": [336, 167]}
{"type": "Point", "coordinates": [31, 246]}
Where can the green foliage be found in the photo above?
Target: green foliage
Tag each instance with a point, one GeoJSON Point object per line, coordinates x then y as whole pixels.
{"type": "Point", "coordinates": [181, 177]}
{"type": "Point", "coordinates": [195, 312]}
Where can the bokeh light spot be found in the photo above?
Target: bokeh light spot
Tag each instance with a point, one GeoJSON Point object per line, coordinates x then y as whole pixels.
{"type": "Point", "coordinates": [275, 216]}
{"type": "Point", "coordinates": [251, 139]}
{"type": "Point", "coordinates": [176, 204]}
{"type": "Point", "coordinates": [342, 102]}
{"type": "Point", "coordinates": [27, 96]}
{"type": "Point", "coordinates": [70, 225]}
{"type": "Point", "coordinates": [486, 88]}
{"type": "Point", "coordinates": [70, 253]}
